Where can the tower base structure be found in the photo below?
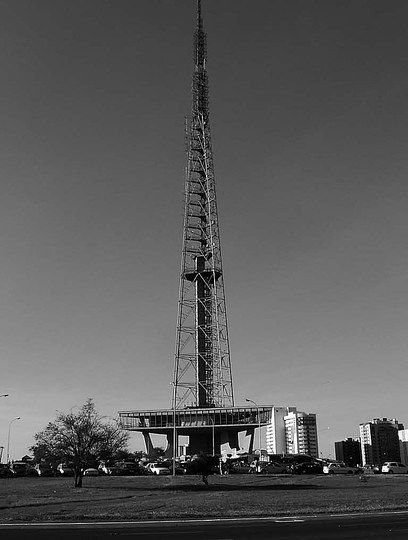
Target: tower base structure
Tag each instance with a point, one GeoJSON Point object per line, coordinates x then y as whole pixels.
{"type": "Point", "coordinates": [208, 429]}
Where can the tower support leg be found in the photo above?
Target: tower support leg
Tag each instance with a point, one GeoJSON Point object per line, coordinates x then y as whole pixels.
{"type": "Point", "coordinates": [251, 433]}
{"type": "Point", "coordinates": [148, 443]}
{"type": "Point", "coordinates": [169, 452]}
{"type": "Point", "coordinates": [230, 438]}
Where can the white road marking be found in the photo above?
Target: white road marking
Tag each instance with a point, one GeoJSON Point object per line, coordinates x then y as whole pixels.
{"type": "Point", "coordinates": [289, 520]}
{"type": "Point", "coordinates": [124, 524]}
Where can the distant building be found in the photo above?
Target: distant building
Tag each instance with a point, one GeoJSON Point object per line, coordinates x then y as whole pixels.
{"type": "Point", "coordinates": [301, 433]}
{"type": "Point", "coordinates": [403, 442]}
{"type": "Point", "coordinates": [379, 441]}
{"type": "Point", "coordinates": [348, 451]}
{"type": "Point", "coordinates": [292, 432]}
{"type": "Point", "coordinates": [275, 431]}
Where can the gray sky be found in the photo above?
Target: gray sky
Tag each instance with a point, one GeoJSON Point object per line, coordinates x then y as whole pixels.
{"type": "Point", "coordinates": [308, 111]}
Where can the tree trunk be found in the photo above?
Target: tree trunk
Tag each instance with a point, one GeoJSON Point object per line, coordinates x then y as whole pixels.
{"type": "Point", "coordinates": [78, 477]}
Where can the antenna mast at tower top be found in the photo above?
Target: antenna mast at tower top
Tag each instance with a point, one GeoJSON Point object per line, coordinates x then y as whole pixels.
{"type": "Point", "coordinates": [202, 366]}
{"type": "Point", "coordinates": [199, 19]}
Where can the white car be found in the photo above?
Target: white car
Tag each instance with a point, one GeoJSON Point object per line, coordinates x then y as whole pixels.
{"type": "Point", "coordinates": [103, 469]}
{"type": "Point", "coordinates": [65, 470]}
{"type": "Point", "coordinates": [157, 468]}
{"type": "Point", "coordinates": [340, 468]}
{"type": "Point", "coordinates": [391, 467]}
{"type": "Point", "coordinates": [91, 472]}
{"type": "Point", "coordinates": [270, 468]}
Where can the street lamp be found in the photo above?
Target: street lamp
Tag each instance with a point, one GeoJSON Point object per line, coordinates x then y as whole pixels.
{"type": "Point", "coordinates": [213, 434]}
{"type": "Point", "coordinates": [259, 423]}
{"type": "Point", "coordinates": [8, 438]}
{"type": "Point", "coordinates": [317, 436]}
{"type": "Point", "coordinates": [174, 428]}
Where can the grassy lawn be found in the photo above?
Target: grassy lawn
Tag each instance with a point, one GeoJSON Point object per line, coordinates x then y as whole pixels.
{"type": "Point", "coordinates": [146, 498]}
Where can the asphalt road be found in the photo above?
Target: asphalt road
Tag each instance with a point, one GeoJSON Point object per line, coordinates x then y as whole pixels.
{"type": "Point", "coordinates": [392, 526]}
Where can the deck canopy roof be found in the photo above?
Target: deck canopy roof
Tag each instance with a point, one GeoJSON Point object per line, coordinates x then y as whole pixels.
{"type": "Point", "coordinates": [160, 421]}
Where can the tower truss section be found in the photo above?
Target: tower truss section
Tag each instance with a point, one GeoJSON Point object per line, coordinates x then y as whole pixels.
{"type": "Point", "coordinates": [202, 367]}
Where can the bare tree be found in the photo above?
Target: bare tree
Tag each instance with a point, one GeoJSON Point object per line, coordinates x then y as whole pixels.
{"type": "Point", "coordinates": [81, 437]}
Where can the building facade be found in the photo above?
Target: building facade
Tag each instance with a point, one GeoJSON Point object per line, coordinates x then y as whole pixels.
{"type": "Point", "coordinates": [348, 451]}
{"type": "Point", "coordinates": [379, 441]}
{"type": "Point", "coordinates": [275, 431]}
{"type": "Point", "coordinates": [292, 432]}
{"type": "Point", "coordinates": [403, 442]}
{"type": "Point", "coordinates": [301, 433]}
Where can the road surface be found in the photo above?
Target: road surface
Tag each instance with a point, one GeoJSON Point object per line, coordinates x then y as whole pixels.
{"type": "Point", "coordinates": [391, 525]}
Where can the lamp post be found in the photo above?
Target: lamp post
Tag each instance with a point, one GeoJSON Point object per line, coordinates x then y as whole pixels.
{"type": "Point", "coordinates": [317, 435]}
{"type": "Point", "coordinates": [259, 423]}
{"type": "Point", "coordinates": [8, 438]}
{"type": "Point", "coordinates": [213, 434]}
{"type": "Point", "coordinates": [174, 430]}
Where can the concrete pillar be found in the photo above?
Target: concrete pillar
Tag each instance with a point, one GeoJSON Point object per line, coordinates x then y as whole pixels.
{"type": "Point", "coordinates": [168, 453]}
{"type": "Point", "coordinates": [148, 443]}
{"type": "Point", "coordinates": [251, 433]}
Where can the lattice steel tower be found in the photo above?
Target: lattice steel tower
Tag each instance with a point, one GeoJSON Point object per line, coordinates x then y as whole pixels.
{"type": "Point", "coordinates": [202, 367]}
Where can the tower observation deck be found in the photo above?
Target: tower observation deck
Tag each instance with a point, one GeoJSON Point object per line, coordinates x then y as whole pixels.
{"type": "Point", "coordinates": [203, 399]}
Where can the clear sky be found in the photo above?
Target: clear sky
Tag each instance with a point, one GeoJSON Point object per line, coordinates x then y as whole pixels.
{"type": "Point", "coordinates": [308, 104]}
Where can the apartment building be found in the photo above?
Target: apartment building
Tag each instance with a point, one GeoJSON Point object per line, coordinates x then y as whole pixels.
{"type": "Point", "coordinates": [348, 451]}
{"type": "Point", "coordinates": [403, 442]}
{"type": "Point", "coordinates": [379, 441]}
{"type": "Point", "coordinates": [301, 433]}
{"type": "Point", "coordinates": [292, 432]}
{"type": "Point", "coordinates": [275, 431]}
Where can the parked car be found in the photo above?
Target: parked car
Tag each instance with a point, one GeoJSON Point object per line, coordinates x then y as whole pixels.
{"type": "Point", "coordinates": [203, 464]}
{"type": "Point", "coordinates": [239, 468]}
{"type": "Point", "coordinates": [391, 467]}
{"type": "Point", "coordinates": [6, 471]}
{"type": "Point", "coordinates": [307, 468]}
{"type": "Point", "coordinates": [270, 468]}
{"type": "Point", "coordinates": [22, 468]}
{"type": "Point", "coordinates": [65, 470]}
{"type": "Point", "coordinates": [179, 469]}
{"type": "Point", "coordinates": [372, 469]}
{"type": "Point", "coordinates": [157, 468]}
{"type": "Point", "coordinates": [340, 468]}
{"type": "Point", "coordinates": [91, 472]}
{"type": "Point", "coordinates": [45, 469]}
{"type": "Point", "coordinates": [126, 468]}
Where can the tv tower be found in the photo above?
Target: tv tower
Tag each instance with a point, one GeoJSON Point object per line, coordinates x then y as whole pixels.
{"type": "Point", "coordinates": [203, 401]}
{"type": "Point", "coordinates": [202, 366]}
